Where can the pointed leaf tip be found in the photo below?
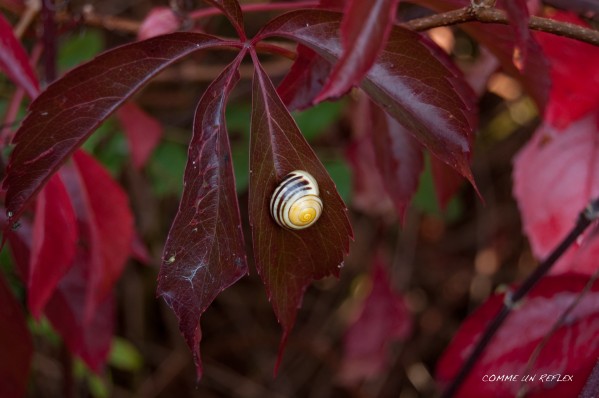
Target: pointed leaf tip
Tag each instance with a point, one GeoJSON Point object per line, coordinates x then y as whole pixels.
{"type": "Point", "coordinates": [287, 260]}
{"type": "Point", "coordinates": [205, 252]}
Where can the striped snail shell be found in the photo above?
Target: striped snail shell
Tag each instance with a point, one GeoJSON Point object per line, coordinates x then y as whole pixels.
{"type": "Point", "coordinates": [295, 203]}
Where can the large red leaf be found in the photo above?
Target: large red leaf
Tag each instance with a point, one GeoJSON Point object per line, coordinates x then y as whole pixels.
{"type": "Point", "coordinates": [205, 252]}
{"type": "Point", "coordinates": [70, 109]}
{"type": "Point", "coordinates": [15, 345]}
{"type": "Point", "coordinates": [572, 349]}
{"type": "Point", "coordinates": [407, 80]}
{"type": "Point", "coordinates": [105, 226]}
{"type": "Point", "coordinates": [501, 40]}
{"type": "Point", "coordinates": [556, 174]}
{"type": "Point", "coordinates": [14, 61]}
{"type": "Point", "coordinates": [365, 28]}
{"type": "Point", "coordinates": [574, 73]}
{"type": "Point", "coordinates": [142, 130]}
{"type": "Point", "coordinates": [82, 307]}
{"type": "Point", "coordinates": [53, 245]}
{"type": "Point", "coordinates": [398, 157]}
{"type": "Point", "coordinates": [288, 261]}
{"type": "Point", "coordinates": [104, 207]}
{"type": "Point", "coordinates": [383, 318]}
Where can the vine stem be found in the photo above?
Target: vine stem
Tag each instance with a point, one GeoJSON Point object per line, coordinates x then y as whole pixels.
{"type": "Point", "coordinates": [585, 218]}
{"type": "Point", "coordinates": [494, 15]}
{"type": "Point", "coordinates": [454, 17]}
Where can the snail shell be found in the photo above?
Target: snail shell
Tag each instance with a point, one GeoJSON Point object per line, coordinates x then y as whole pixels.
{"type": "Point", "coordinates": [295, 203]}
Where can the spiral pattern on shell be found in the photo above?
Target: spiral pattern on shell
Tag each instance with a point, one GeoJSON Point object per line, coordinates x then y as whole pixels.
{"type": "Point", "coordinates": [295, 203]}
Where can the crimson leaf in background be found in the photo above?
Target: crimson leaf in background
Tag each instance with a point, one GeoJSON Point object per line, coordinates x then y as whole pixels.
{"type": "Point", "coordinates": [205, 251]}
{"type": "Point", "coordinates": [572, 349]}
{"type": "Point", "coordinates": [555, 175]}
{"type": "Point", "coordinates": [159, 21]}
{"type": "Point", "coordinates": [88, 339]}
{"type": "Point", "coordinates": [143, 132]}
{"type": "Point", "coordinates": [53, 243]}
{"type": "Point", "coordinates": [82, 307]}
{"type": "Point", "coordinates": [407, 80]}
{"type": "Point", "coordinates": [288, 261]}
{"type": "Point", "coordinates": [383, 318]}
{"type": "Point", "coordinates": [102, 207]}
{"type": "Point", "coordinates": [15, 345]}
{"type": "Point", "coordinates": [69, 110]}
{"type": "Point", "coordinates": [574, 74]}
{"type": "Point", "coordinates": [14, 60]}
{"type": "Point", "coordinates": [369, 194]}
{"type": "Point", "coordinates": [305, 79]}
{"type": "Point", "coordinates": [501, 41]}
{"type": "Point", "coordinates": [365, 28]}
{"type": "Point", "coordinates": [398, 158]}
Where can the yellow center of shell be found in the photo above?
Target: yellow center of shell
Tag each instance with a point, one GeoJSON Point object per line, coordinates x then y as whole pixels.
{"type": "Point", "coordinates": [305, 212]}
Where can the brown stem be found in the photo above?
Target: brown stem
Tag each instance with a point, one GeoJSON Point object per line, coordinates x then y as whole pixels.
{"type": "Point", "coordinates": [493, 15]}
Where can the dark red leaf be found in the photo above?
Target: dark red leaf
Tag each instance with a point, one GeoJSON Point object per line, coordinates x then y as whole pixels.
{"type": "Point", "coordinates": [159, 21]}
{"type": "Point", "coordinates": [365, 28]}
{"type": "Point", "coordinates": [305, 79]}
{"type": "Point", "coordinates": [142, 130]}
{"type": "Point", "coordinates": [53, 245]}
{"type": "Point", "coordinates": [555, 176]}
{"type": "Point", "coordinates": [15, 345]}
{"type": "Point", "coordinates": [571, 349]}
{"type": "Point", "coordinates": [574, 74]}
{"type": "Point", "coordinates": [15, 62]}
{"type": "Point", "coordinates": [383, 319]}
{"type": "Point", "coordinates": [205, 252]}
{"type": "Point", "coordinates": [501, 40]}
{"type": "Point", "coordinates": [288, 261]}
{"type": "Point", "coordinates": [446, 181]}
{"type": "Point", "coordinates": [233, 13]}
{"type": "Point", "coordinates": [70, 109]}
{"type": "Point", "coordinates": [398, 157]}
{"type": "Point", "coordinates": [407, 80]}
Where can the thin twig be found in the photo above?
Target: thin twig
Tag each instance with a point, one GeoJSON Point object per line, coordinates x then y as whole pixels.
{"type": "Point", "coordinates": [586, 217]}
{"type": "Point", "coordinates": [493, 15]}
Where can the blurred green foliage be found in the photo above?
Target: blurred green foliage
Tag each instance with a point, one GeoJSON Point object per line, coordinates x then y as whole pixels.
{"type": "Point", "coordinates": [78, 47]}
{"type": "Point", "coordinates": [166, 167]}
